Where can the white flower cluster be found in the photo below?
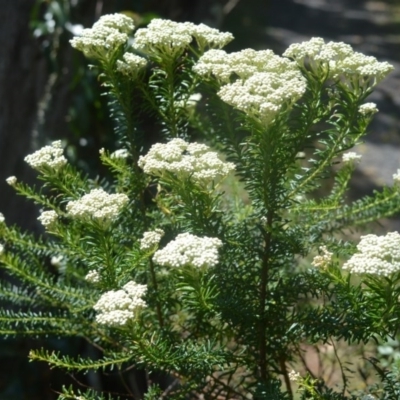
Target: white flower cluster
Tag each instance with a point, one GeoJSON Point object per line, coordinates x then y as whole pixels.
{"type": "Point", "coordinates": [151, 239]}
{"type": "Point", "coordinates": [210, 37]}
{"type": "Point", "coordinates": [396, 176]}
{"type": "Point", "coordinates": [48, 156]}
{"type": "Point", "coordinates": [117, 307]}
{"type": "Point", "coordinates": [378, 255]}
{"type": "Point", "coordinates": [107, 35]}
{"type": "Point", "coordinates": [244, 64]}
{"type": "Point", "coordinates": [120, 153]}
{"type": "Point", "coordinates": [93, 276]}
{"type": "Point", "coordinates": [57, 261]}
{"type": "Point", "coordinates": [48, 218]}
{"type": "Point", "coordinates": [1, 249]}
{"type": "Point", "coordinates": [322, 261]}
{"type": "Point", "coordinates": [97, 204]}
{"type": "Point", "coordinates": [368, 109]}
{"type": "Point", "coordinates": [294, 376]}
{"type": "Point", "coordinates": [351, 156]}
{"type": "Point", "coordinates": [185, 159]}
{"type": "Point", "coordinates": [188, 249]}
{"type": "Point", "coordinates": [338, 59]}
{"type": "Point", "coordinates": [165, 37]}
{"type": "Point", "coordinates": [131, 64]}
{"type": "Point", "coordinates": [2, 219]}
{"type": "Point", "coordinates": [264, 94]}
{"type": "Point", "coordinates": [11, 180]}
{"type": "Point", "coordinates": [266, 83]}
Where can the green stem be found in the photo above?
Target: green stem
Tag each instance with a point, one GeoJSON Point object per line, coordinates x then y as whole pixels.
{"type": "Point", "coordinates": [262, 363]}
{"type": "Point", "coordinates": [155, 286]}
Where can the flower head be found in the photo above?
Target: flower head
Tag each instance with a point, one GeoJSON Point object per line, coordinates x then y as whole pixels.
{"type": "Point", "coordinates": [56, 261]}
{"type": "Point", "coordinates": [350, 157]}
{"type": "Point", "coordinates": [2, 219]}
{"type": "Point", "coordinates": [267, 82]}
{"type": "Point", "coordinates": [377, 255]}
{"type": "Point", "coordinates": [119, 22]}
{"type": "Point", "coordinates": [11, 180]}
{"type": "Point", "coordinates": [93, 276]}
{"type": "Point", "coordinates": [98, 205]}
{"type": "Point", "coordinates": [264, 94]}
{"type": "Point", "coordinates": [294, 376]}
{"type": "Point", "coordinates": [106, 36]}
{"type": "Point", "coordinates": [396, 176]}
{"type": "Point", "coordinates": [48, 218]}
{"type": "Point", "coordinates": [184, 159]}
{"type": "Point", "coordinates": [117, 307]}
{"type": "Point", "coordinates": [338, 59]}
{"type": "Point", "coordinates": [1, 249]}
{"type": "Point", "coordinates": [165, 37]}
{"type": "Point", "coordinates": [368, 109]}
{"type": "Point", "coordinates": [244, 64]}
{"type": "Point", "coordinates": [151, 239]}
{"type": "Point", "coordinates": [48, 156]}
{"type": "Point", "coordinates": [131, 64]}
{"type": "Point", "coordinates": [322, 261]}
{"type": "Point", "coordinates": [120, 153]}
{"type": "Point", "coordinates": [189, 250]}
{"type": "Point", "coordinates": [210, 37]}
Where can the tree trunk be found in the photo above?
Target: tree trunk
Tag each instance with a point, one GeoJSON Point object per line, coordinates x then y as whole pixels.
{"type": "Point", "coordinates": [22, 79]}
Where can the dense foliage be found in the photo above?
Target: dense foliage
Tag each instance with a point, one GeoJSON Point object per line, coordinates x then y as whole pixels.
{"type": "Point", "coordinates": [211, 263]}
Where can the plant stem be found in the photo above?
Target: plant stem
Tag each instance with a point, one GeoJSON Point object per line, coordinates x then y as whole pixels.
{"type": "Point", "coordinates": [263, 298]}
{"type": "Point", "coordinates": [155, 285]}
{"type": "Point", "coordinates": [286, 377]}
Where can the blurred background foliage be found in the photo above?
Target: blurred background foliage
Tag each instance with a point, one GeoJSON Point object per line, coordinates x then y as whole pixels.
{"type": "Point", "coordinates": [48, 93]}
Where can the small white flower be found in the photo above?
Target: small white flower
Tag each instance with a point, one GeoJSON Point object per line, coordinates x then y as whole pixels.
{"type": "Point", "coordinates": [131, 64]}
{"type": "Point", "coordinates": [93, 276]}
{"type": "Point", "coordinates": [377, 255]}
{"type": "Point", "coordinates": [1, 249]}
{"type": "Point", "coordinates": [2, 219]}
{"type": "Point", "coordinates": [396, 176]}
{"type": "Point", "coordinates": [117, 307]}
{"type": "Point", "coordinates": [322, 261]}
{"type": "Point", "coordinates": [12, 180]}
{"type": "Point", "coordinates": [56, 261]}
{"type": "Point", "coordinates": [48, 156]}
{"type": "Point", "coordinates": [48, 218]}
{"type": "Point", "coordinates": [121, 153]}
{"type": "Point", "coordinates": [368, 109]}
{"type": "Point", "coordinates": [97, 204]}
{"type": "Point", "coordinates": [294, 376]}
{"type": "Point", "coordinates": [102, 151]}
{"type": "Point", "coordinates": [151, 239]}
{"type": "Point", "coordinates": [189, 250]}
{"type": "Point", "coordinates": [351, 157]}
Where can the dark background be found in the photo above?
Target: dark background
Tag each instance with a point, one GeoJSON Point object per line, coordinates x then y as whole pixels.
{"type": "Point", "coordinates": [47, 92]}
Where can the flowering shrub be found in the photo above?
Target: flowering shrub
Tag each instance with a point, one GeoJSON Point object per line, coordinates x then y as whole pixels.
{"type": "Point", "coordinates": [164, 268]}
